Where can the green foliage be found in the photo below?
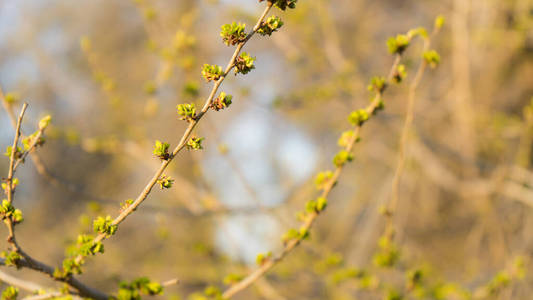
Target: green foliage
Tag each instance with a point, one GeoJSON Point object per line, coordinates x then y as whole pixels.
{"type": "Point", "coordinates": [231, 279]}
{"type": "Point", "coordinates": [317, 205]}
{"type": "Point", "coordinates": [10, 293]}
{"type": "Point", "coordinates": [398, 44]}
{"type": "Point", "coordinates": [346, 138]}
{"type": "Point", "coordinates": [7, 211]}
{"type": "Point", "coordinates": [261, 258]}
{"type": "Point", "coordinates": [104, 226]}
{"type": "Point", "coordinates": [358, 117]}
{"type": "Point", "coordinates": [165, 182]}
{"type": "Point", "coordinates": [211, 292]}
{"type": "Point", "coordinates": [187, 111]}
{"type": "Point", "coordinates": [322, 179]}
{"type": "Point", "coordinates": [294, 234]}
{"type": "Point", "coordinates": [432, 58]}
{"type": "Point", "coordinates": [212, 72]}
{"type": "Point", "coordinates": [161, 150]}
{"type": "Point", "coordinates": [283, 4]}
{"type": "Point", "coordinates": [221, 102]}
{"type": "Point", "coordinates": [439, 22]}
{"type": "Point", "coordinates": [420, 31]}
{"type": "Point", "coordinates": [244, 63]}
{"type": "Point", "coordinates": [14, 184]}
{"type": "Point", "coordinates": [341, 158]}
{"type": "Point", "coordinates": [233, 33]}
{"type": "Point", "coordinates": [195, 143]}
{"type": "Point", "coordinates": [12, 97]}
{"type": "Point", "coordinates": [377, 84]}
{"type": "Point", "coordinates": [12, 258]}
{"type": "Point", "coordinates": [400, 74]}
{"type": "Point", "coordinates": [389, 253]}
{"type": "Point", "coordinates": [18, 153]}
{"type": "Point", "coordinates": [29, 140]}
{"type": "Point", "coordinates": [393, 295]}
{"type": "Point", "coordinates": [125, 204]}
{"type": "Point", "coordinates": [44, 122]}
{"type": "Point", "coordinates": [271, 25]}
{"type": "Point", "coordinates": [139, 286]}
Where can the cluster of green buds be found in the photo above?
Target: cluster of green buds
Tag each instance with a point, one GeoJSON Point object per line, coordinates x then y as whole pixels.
{"type": "Point", "coordinates": [244, 63]}
{"type": "Point", "coordinates": [295, 234]}
{"type": "Point", "coordinates": [11, 258]}
{"type": "Point", "coordinates": [104, 225]}
{"type": "Point", "coordinates": [283, 4]}
{"type": "Point", "coordinates": [377, 84]}
{"type": "Point", "coordinates": [346, 138]}
{"type": "Point", "coordinates": [10, 293]}
{"type": "Point", "coordinates": [388, 254]}
{"type": "Point", "coordinates": [133, 290]}
{"type": "Point", "coordinates": [29, 140]}
{"type": "Point", "coordinates": [432, 58]}
{"type": "Point", "coordinates": [262, 258]}
{"type": "Point", "coordinates": [400, 74]}
{"type": "Point", "coordinates": [18, 152]}
{"type": "Point", "coordinates": [12, 97]}
{"type": "Point", "coordinates": [271, 25]}
{"type": "Point", "coordinates": [221, 102]}
{"type": "Point", "coordinates": [210, 293]}
{"type": "Point", "coordinates": [161, 150]}
{"type": "Point", "coordinates": [195, 143]}
{"type": "Point", "coordinates": [84, 246]}
{"type": "Point", "coordinates": [125, 204]}
{"type": "Point", "coordinates": [358, 117]}
{"type": "Point", "coordinates": [364, 279]}
{"type": "Point", "coordinates": [516, 270]}
{"type": "Point", "coordinates": [8, 212]}
{"type": "Point", "coordinates": [212, 72]}
{"type": "Point", "coordinates": [398, 44]}
{"type": "Point", "coordinates": [187, 111]}
{"type": "Point", "coordinates": [322, 179]}
{"type": "Point", "coordinates": [233, 34]}
{"type": "Point", "coordinates": [233, 278]}
{"type": "Point", "coordinates": [415, 279]}
{"type": "Point", "coordinates": [165, 182]}
{"type": "Point", "coordinates": [341, 158]}
{"type": "Point", "coordinates": [14, 184]}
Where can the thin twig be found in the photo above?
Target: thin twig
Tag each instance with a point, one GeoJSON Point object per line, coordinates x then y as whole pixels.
{"type": "Point", "coordinates": [9, 180]}
{"type": "Point", "coordinates": [20, 283]}
{"type": "Point", "coordinates": [183, 141]}
{"type": "Point", "coordinates": [409, 116]}
{"type": "Point", "coordinates": [270, 263]}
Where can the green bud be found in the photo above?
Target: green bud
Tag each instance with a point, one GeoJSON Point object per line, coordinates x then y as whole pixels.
{"type": "Point", "coordinates": [165, 182]}
{"type": "Point", "coordinates": [244, 63]}
{"type": "Point", "coordinates": [161, 150]}
{"type": "Point", "coordinates": [341, 158]}
{"type": "Point", "coordinates": [212, 72]}
{"type": "Point", "coordinates": [187, 111]}
{"type": "Point", "coordinates": [233, 33]}
{"type": "Point", "coordinates": [104, 226]}
{"type": "Point", "coordinates": [439, 22]}
{"type": "Point", "coordinates": [271, 25]}
{"type": "Point", "coordinates": [400, 74]}
{"type": "Point", "coordinates": [195, 143]}
{"type": "Point", "coordinates": [322, 179]}
{"type": "Point", "coordinates": [10, 293]}
{"type": "Point", "coordinates": [398, 44]}
{"type": "Point", "coordinates": [221, 102]}
{"type": "Point", "coordinates": [432, 58]}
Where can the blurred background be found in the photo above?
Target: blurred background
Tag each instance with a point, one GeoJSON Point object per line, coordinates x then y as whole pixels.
{"type": "Point", "coordinates": [112, 72]}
